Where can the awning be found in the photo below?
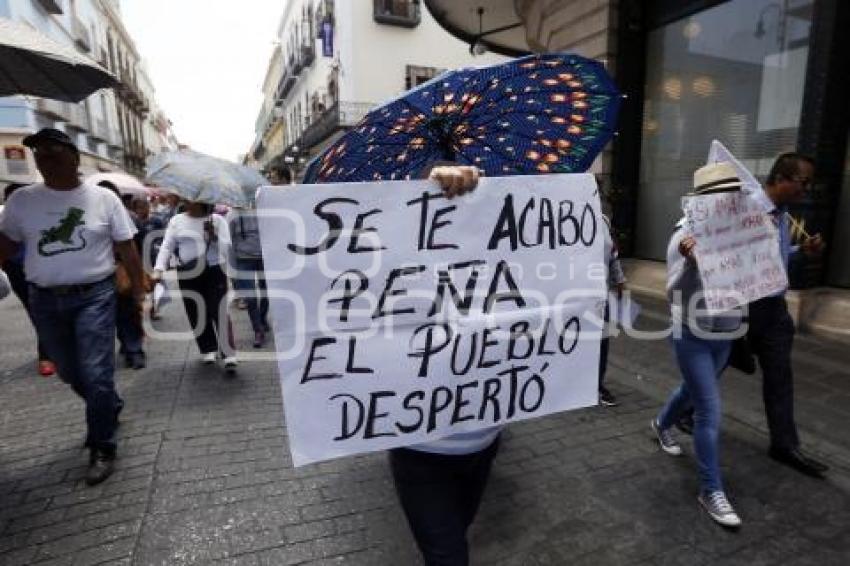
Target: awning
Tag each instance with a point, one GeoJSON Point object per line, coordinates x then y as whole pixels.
{"type": "Point", "coordinates": [494, 24]}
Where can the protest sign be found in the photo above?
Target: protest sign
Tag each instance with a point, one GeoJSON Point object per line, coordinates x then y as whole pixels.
{"type": "Point", "coordinates": [737, 249]}
{"type": "Point", "coordinates": [403, 317]}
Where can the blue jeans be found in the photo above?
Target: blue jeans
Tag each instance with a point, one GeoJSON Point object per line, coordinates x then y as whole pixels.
{"type": "Point", "coordinates": [78, 331]}
{"type": "Point", "coordinates": [701, 363]}
{"type": "Point", "coordinates": [129, 325]}
{"type": "Point", "coordinates": [251, 278]}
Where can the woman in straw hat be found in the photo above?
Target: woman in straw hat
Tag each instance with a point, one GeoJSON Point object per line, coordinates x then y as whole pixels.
{"type": "Point", "coordinates": [702, 350]}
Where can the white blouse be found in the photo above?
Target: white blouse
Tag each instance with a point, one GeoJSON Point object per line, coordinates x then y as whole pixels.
{"type": "Point", "coordinates": [185, 240]}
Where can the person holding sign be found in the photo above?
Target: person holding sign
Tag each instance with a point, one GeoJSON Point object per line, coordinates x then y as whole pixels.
{"type": "Point", "coordinates": [440, 484]}
{"type": "Point", "coordinates": [771, 330]}
{"type": "Point", "coordinates": [702, 350]}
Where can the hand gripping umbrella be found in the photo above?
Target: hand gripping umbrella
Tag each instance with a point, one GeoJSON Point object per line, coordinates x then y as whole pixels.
{"type": "Point", "coordinates": [547, 113]}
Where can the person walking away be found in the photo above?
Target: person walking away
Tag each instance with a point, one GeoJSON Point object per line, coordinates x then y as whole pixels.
{"type": "Point", "coordinates": [200, 241]}
{"type": "Point", "coordinates": [280, 176]}
{"type": "Point", "coordinates": [128, 313]}
{"type": "Point", "coordinates": [14, 268]}
{"type": "Point", "coordinates": [771, 329]}
{"type": "Point", "coordinates": [702, 349]}
{"type": "Point", "coordinates": [149, 237]}
{"type": "Point", "coordinates": [616, 285]}
{"type": "Point", "coordinates": [71, 232]}
{"type": "Point", "coordinates": [247, 258]}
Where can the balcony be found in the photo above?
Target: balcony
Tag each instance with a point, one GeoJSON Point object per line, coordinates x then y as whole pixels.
{"type": "Point", "coordinates": [296, 64]}
{"type": "Point", "coordinates": [50, 6]}
{"type": "Point", "coordinates": [103, 59]}
{"type": "Point", "coordinates": [308, 54]}
{"type": "Point", "coordinates": [403, 13]}
{"type": "Point", "coordinates": [78, 117]}
{"type": "Point", "coordinates": [98, 129]}
{"type": "Point", "coordinates": [53, 109]}
{"type": "Point", "coordinates": [340, 115]}
{"type": "Point", "coordinates": [287, 81]}
{"type": "Point", "coordinates": [113, 139]}
{"type": "Point", "coordinates": [81, 34]}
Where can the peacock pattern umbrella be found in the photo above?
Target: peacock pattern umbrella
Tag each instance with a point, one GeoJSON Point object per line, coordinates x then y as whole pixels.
{"type": "Point", "coordinates": [548, 113]}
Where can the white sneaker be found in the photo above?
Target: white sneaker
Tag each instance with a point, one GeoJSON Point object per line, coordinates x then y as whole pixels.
{"type": "Point", "coordinates": [208, 358]}
{"type": "Point", "coordinates": [665, 439]}
{"type": "Point", "coordinates": [719, 508]}
{"type": "Point", "coordinates": [230, 363]}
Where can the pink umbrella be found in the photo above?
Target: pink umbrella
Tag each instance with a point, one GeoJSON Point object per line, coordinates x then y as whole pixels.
{"type": "Point", "coordinates": [127, 184]}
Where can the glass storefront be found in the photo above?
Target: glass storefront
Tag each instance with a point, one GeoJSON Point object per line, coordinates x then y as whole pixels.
{"type": "Point", "coordinates": [736, 73]}
{"type": "Point", "coordinates": [839, 260]}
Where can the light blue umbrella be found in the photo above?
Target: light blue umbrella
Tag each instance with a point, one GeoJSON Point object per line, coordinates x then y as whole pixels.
{"type": "Point", "coordinates": [200, 178]}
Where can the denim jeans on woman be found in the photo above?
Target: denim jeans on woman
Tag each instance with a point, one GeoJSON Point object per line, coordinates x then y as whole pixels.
{"type": "Point", "coordinates": [251, 281]}
{"type": "Point", "coordinates": [78, 332]}
{"type": "Point", "coordinates": [701, 362]}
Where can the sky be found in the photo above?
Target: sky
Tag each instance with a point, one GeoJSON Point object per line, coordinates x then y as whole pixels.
{"type": "Point", "coordinates": [207, 60]}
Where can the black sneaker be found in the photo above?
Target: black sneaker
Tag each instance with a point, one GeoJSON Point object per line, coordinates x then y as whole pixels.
{"type": "Point", "coordinates": [796, 459]}
{"type": "Point", "coordinates": [101, 466]}
{"type": "Point", "coordinates": [136, 360]}
{"type": "Point", "coordinates": [606, 398]}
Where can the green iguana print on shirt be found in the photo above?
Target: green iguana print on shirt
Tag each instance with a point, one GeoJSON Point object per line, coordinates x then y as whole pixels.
{"type": "Point", "coordinates": [60, 239]}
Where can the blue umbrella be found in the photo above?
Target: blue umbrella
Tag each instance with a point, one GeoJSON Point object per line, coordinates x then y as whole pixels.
{"type": "Point", "coordinates": [547, 113]}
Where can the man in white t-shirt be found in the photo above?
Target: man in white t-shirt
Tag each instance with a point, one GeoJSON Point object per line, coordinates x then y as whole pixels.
{"type": "Point", "coordinates": [71, 232]}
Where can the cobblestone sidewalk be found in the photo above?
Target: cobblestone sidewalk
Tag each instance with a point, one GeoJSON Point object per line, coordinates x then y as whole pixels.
{"type": "Point", "coordinates": [204, 474]}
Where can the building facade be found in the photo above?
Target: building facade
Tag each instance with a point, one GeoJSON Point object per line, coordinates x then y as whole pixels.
{"type": "Point", "coordinates": [108, 126]}
{"type": "Point", "coordinates": [338, 59]}
{"type": "Point", "coordinates": [762, 76]}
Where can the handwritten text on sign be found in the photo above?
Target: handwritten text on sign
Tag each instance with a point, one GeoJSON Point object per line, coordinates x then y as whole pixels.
{"type": "Point", "coordinates": [737, 249]}
{"type": "Point", "coordinates": [403, 317]}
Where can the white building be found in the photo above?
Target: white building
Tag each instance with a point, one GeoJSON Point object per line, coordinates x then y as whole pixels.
{"type": "Point", "coordinates": [156, 128]}
{"type": "Point", "coordinates": [108, 126]}
{"type": "Point", "coordinates": [339, 59]}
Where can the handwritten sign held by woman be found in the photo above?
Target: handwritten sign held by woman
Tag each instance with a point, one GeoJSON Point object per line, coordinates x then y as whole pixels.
{"type": "Point", "coordinates": [737, 249]}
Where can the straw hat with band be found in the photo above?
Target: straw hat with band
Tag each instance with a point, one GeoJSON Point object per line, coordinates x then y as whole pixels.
{"type": "Point", "coordinates": [716, 178]}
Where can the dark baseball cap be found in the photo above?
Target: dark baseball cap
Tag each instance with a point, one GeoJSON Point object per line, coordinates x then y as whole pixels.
{"type": "Point", "coordinates": [51, 135]}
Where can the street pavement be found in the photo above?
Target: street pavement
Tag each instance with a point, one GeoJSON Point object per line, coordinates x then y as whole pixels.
{"type": "Point", "coordinates": [205, 476]}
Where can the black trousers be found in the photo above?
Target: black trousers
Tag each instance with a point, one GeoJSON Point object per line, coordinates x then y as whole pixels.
{"type": "Point", "coordinates": [771, 337]}
{"type": "Point", "coordinates": [604, 344]}
{"type": "Point", "coordinates": [211, 288]}
{"type": "Point", "coordinates": [440, 495]}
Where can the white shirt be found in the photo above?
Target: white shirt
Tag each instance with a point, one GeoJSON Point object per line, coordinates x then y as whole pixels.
{"type": "Point", "coordinates": [186, 240]}
{"type": "Point", "coordinates": [460, 443]}
{"type": "Point", "coordinates": [67, 235]}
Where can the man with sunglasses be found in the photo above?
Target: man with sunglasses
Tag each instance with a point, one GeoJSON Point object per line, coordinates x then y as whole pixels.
{"type": "Point", "coordinates": [71, 232]}
{"type": "Point", "coordinates": [771, 329]}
